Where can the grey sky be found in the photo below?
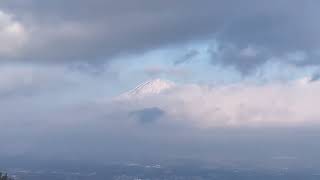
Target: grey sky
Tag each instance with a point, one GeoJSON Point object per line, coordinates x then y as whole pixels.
{"type": "Point", "coordinates": [64, 63]}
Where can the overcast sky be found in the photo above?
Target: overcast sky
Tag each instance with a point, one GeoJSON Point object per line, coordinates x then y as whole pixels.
{"type": "Point", "coordinates": [237, 66]}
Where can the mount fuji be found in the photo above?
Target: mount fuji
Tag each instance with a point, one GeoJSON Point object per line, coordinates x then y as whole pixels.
{"type": "Point", "coordinates": [152, 87]}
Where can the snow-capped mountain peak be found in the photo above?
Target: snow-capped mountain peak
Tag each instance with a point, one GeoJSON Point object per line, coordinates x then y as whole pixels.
{"type": "Point", "coordinates": [155, 86]}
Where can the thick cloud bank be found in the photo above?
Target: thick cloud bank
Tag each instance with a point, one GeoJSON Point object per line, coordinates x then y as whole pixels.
{"type": "Point", "coordinates": [249, 33]}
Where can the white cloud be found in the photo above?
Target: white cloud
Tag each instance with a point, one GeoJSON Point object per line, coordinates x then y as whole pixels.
{"type": "Point", "coordinates": [13, 34]}
{"type": "Point", "coordinates": [34, 79]}
{"type": "Point", "coordinates": [276, 104]}
{"type": "Point", "coordinates": [249, 51]}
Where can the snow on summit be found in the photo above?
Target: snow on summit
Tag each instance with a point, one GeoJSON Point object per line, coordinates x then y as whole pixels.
{"type": "Point", "coordinates": [152, 87]}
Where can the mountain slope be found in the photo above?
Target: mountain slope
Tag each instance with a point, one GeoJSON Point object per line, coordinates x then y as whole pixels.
{"type": "Point", "coordinates": [152, 87]}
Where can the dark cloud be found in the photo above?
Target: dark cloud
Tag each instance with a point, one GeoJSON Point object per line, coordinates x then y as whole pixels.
{"type": "Point", "coordinates": [91, 31]}
{"type": "Point", "coordinates": [315, 77]}
{"type": "Point", "coordinates": [186, 57]}
{"type": "Point", "coordinates": [95, 30]}
{"type": "Point", "coordinates": [243, 59]}
{"type": "Point", "coordinates": [148, 115]}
